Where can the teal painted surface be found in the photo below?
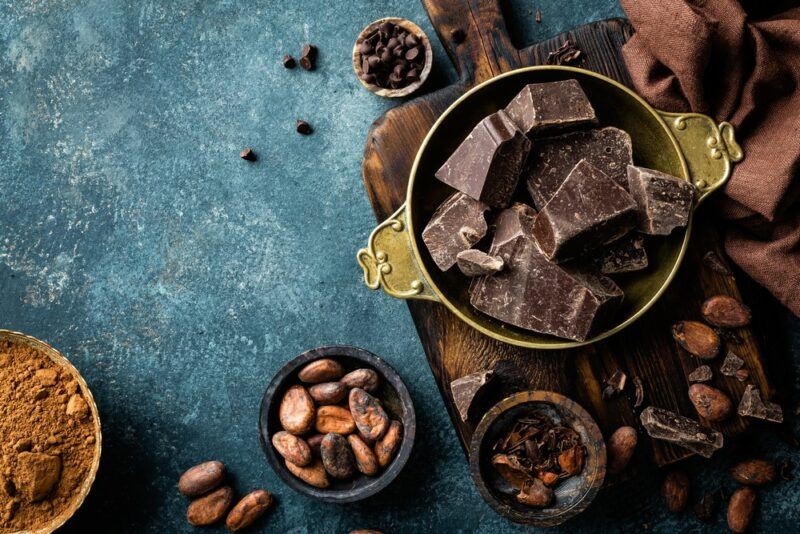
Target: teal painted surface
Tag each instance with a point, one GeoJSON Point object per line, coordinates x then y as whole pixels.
{"type": "Point", "coordinates": [179, 278]}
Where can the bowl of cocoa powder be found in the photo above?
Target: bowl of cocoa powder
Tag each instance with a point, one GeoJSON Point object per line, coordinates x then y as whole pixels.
{"type": "Point", "coordinates": [50, 439]}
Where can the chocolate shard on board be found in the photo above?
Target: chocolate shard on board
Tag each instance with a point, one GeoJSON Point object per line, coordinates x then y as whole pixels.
{"type": "Point", "coordinates": [458, 223]}
{"type": "Point", "coordinates": [625, 255]}
{"type": "Point", "coordinates": [536, 294]}
{"type": "Point", "coordinates": [669, 426]}
{"type": "Point", "coordinates": [701, 374]}
{"type": "Point", "coordinates": [475, 262]}
{"type": "Point", "coordinates": [752, 405]}
{"type": "Point", "coordinates": [467, 388]}
{"type": "Point", "coordinates": [551, 107]}
{"type": "Point", "coordinates": [664, 202]}
{"type": "Point", "coordinates": [588, 211]}
{"type": "Point", "coordinates": [487, 164]}
{"type": "Point", "coordinates": [552, 158]}
{"type": "Point", "coordinates": [731, 364]}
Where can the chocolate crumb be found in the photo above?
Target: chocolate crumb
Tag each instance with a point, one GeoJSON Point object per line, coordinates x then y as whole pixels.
{"type": "Point", "coordinates": [303, 127]}
{"type": "Point", "coordinates": [289, 62]}
{"type": "Point", "coordinates": [248, 154]}
{"type": "Point", "coordinates": [458, 36]}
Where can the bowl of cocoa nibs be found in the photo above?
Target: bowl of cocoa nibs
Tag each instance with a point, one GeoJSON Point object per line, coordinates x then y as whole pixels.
{"type": "Point", "coordinates": [392, 57]}
{"type": "Point", "coordinates": [337, 424]}
{"type": "Point", "coordinates": [538, 458]}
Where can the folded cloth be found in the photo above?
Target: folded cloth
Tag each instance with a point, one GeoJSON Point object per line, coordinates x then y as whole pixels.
{"type": "Point", "coordinates": [708, 56]}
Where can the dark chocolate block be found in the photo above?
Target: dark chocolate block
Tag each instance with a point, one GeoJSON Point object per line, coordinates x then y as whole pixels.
{"type": "Point", "coordinates": [664, 201]}
{"type": "Point", "coordinates": [752, 405]}
{"type": "Point", "coordinates": [536, 294]}
{"type": "Point", "coordinates": [552, 158]}
{"type": "Point", "coordinates": [588, 211]}
{"type": "Point", "coordinates": [475, 262]}
{"type": "Point", "coordinates": [625, 255]}
{"type": "Point", "coordinates": [467, 388]}
{"type": "Point", "coordinates": [551, 107]}
{"type": "Point", "coordinates": [487, 164]}
{"type": "Point", "coordinates": [456, 225]}
{"type": "Point", "coordinates": [669, 426]}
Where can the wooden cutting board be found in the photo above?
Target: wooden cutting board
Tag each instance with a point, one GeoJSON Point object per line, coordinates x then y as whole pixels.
{"type": "Point", "coordinates": [645, 350]}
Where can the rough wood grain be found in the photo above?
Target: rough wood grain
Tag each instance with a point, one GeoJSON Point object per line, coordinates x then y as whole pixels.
{"type": "Point", "coordinates": [645, 350]}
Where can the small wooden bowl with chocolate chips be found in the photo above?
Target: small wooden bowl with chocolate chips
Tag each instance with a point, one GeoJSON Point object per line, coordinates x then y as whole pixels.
{"type": "Point", "coordinates": [319, 424]}
{"type": "Point", "coordinates": [392, 57]}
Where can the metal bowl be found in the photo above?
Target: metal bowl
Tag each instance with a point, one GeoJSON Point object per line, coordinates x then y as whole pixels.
{"type": "Point", "coordinates": [690, 146]}
{"type": "Point", "coordinates": [573, 495]}
{"type": "Point", "coordinates": [394, 397]}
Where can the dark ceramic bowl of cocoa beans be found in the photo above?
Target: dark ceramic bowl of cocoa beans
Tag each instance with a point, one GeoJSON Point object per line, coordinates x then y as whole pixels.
{"type": "Point", "coordinates": [538, 458]}
{"type": "Point", "coordinates": [337, 424]}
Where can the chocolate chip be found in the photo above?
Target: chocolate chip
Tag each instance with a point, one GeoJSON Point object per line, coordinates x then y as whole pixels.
{"type": "Point", "coordinates": [289, 62]}
{"type": "Point", "coordinates": [303, 127]}
{"type": "Point", "coordinates": [365, 48]}
{"type": "Point", "coordinates": [412, 54]}
{"type": "Point", "coordinates": [411, 40]}
{"type": "Point", "coordinates": [308, 57]}
{"type": "Point", "coordinates": [248, 154]}
{"type": "Point", "coordinates": [457, 35]}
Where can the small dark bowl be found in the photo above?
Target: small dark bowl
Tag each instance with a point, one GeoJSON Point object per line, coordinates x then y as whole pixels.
{"type": "Point", "coordinates": [393, 395]}
{"type": "Point", "coordinates": [573, 495]}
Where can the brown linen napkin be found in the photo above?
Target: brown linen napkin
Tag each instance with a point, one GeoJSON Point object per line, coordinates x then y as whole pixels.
{"type": "Point", "coordinates": [708, 56]}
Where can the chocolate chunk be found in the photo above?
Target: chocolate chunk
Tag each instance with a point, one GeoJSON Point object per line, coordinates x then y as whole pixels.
{"type": "Point", "coordinates": [474, 262]}
{"type": "Point", "coordinates": [752, 405]}
{"type": "Point", "coordinates": [551, 107]}
{"type": "Point", "coordinates": [487, 164]}
{"type": "Point", "coordinates": [669, 426]}
{"type": "Point", "coordinates": [701, 374]}
{"type": "Point", "coordinates": [456, 225]}
{"type": "Point", "coordinates": [664, 202]}
{"type": "Point", "coordinates": [625, 255]}
{"type": "Point", "coordinates": [308, 57]}
{"type": "Point", "coordinates": [289, 62]}
{"type": "Point", "coordinates": [588, 211]}
{"type": "Point", "coordinates": [615, 384]}
{"type": "Point", "coordinates": [467, 388]}
{"type": "Point", "coordinates": [552, 159]}
{"type": "Point", "coordinates": [248, 154]}
{"type": "Point", "coordinates": [731, 364]}
{"type": "Point", "coordinates": [303, 127]}
{"type": "Point", "coordinates": [537, 294]}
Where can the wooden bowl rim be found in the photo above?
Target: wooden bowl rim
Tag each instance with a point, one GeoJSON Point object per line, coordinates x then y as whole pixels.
{"type": "Point", "coordinates": [63, 362]}
{"type": "Point", "coordinates": [426, 69]}
{"type": "Point", "coordinates": [597, 448]}
{"type": "Point", "coordinates": [408, 415]}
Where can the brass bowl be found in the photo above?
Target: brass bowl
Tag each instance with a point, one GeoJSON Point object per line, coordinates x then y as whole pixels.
{"type": "Point", "coordinates": [573, 495]}
{"type": "Point", "coordinates": [688, 145]}
{"type": "Point", "coordinates": [88, 481]}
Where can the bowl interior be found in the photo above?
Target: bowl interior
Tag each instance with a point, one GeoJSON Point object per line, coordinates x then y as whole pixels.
{"type": "Point", "coordinates": [653, 147]}
{"type": "Point", "coordinates": [574, 494]}
{"type": "Point", "coordinates": [393, 395]}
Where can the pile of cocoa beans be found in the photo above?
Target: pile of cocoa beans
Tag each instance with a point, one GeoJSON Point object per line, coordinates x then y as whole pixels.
{"type": "Point", "coordinates": [212, 500]}
{"type": "Point", "coordinates": [333, 426]}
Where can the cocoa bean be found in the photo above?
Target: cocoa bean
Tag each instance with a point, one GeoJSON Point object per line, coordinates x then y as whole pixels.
{"type": "Point", "coordinates": [328, 392]}
{"type": "Point", "coordinates": [387, 446]}
{"type": "Point", "coordinates": [366, 379]}
{"type": "Point", "coordinates": [621, 446]}
{"type": "Point", "coordinates": [251, 507]}
{"type": "Point", "coordinates": [337, 457]}
{"type": "Point", "coordinates": [754, 472]}
{"type": "Point", "coordinates": [296, 411]}
{"type": "Point", "coordinates": [741, 508]}
{"type": "Point", "coordinates": [366, 462]}
{"type": "Point", "coordinates": [725, 311]}
{"type": "Point", "coordinates": [313, 474]}
{"type": "Point", "coordinates": [324, 370]}
{"type": "Point", "coordinates": [697, 338]}
{"type": "Point", "coordinates": [675, 491]}
{"type": "Point", "coordinates": [710, 403]}
{"type": "Point", "coordinates": [201, 478]}
{"type": "Point", "coordinates": [210, 508]}
{"type": "Point", "coordinates": [370, 418]}
{"type": "Point", "coordinates": [294, 449]}
{"type": "Point", "coordinates": [535, 493]}
{"type": "Point", "coordinates": [314, 442]}
{"type": "Point", "coordinates": [334, 419]}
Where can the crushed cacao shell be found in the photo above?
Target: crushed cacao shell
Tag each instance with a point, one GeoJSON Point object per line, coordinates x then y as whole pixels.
{"type": "Point", "coordinates": [614, 384]}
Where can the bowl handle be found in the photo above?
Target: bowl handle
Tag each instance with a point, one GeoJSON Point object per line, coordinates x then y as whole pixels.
{"type": "Point", "coordinates": [389, 264]}
{"type": "Point", "coordinates": [710, 149]}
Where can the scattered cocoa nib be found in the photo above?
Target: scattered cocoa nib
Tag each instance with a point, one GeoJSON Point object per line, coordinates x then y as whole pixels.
{"type": "Point", "coordinates": [675, 491]}
{"type": "Point", "coordinates": [289, 62]}
{"type": "Point", "coordinates": [308, 57]}
{"type": "Point", "coordinates": [714, 261]}
{"type": "Point", "coordinates": [467, 388]}
{"type": "Point", "coordinates": [752, 405]}
{"type": "Point", "coordinates": [731, 364]}
{"type": "Point", "coordinates": [566, 54]}
{"type": "Point", "coordinates": [726, 312]}
{"type": "Point", "coordinates": [303, 127]}
{"type": "Point", "coordinates": [247, 154]}
{"type": "Point", "coordinates": [614, 384]}
{"type": "Point", "coordinates": [701, 374]}
{"type": "Point", "coordinates": [754, 472]}
{"type": "Point", "coordinates": [457, 35]}
{"type": "Point", "coordinates": [697, 338]}
{"type": "Point", "coordinates": [706, 508]}
{"type": "Point", "coordinates": [639, 392]}
{"type": "Point", "coordinates": [669, 426]}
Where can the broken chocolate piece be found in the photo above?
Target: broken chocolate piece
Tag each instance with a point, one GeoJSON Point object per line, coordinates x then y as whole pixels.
{"type": "Point", "coordinates": [701, 374]}
{"type": "Point", "coordinates": [752, 405]}
{"type": "Point", "coordinates": [588, 211]}
{"type": "Point", "coordinates": [664, 201]}
{"type": "Point", "coordinates": [467, 388]}
{"type": "Point", "coordinates": [625, 255]}
{"type": "Point", "coordinates": [731, 364]}
{"type": "Point", "coordinates": [456, 225]}
{"type": "Point", "coordinates": [614, 384]}
{"type": "Point", "coordinates": [551, 107]}
{"type": "Point", "coordinates": [536, 294]}
{"type": "Point", "coordinates": [475, 262]}
{"type": "Point", "coordinates": [487, 164]}
{"type": "Point", "coordinates": [552, 159]}
{"type": "Point", "coordinates": [669, 426]}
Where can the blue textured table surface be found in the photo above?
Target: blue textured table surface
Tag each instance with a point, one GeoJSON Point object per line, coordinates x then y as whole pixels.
{"type": "Point", "coordinates": [178, 277]}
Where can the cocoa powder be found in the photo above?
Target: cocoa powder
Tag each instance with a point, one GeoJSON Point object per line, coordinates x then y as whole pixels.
{"type": "Point", "coordinates": [47, 438]}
